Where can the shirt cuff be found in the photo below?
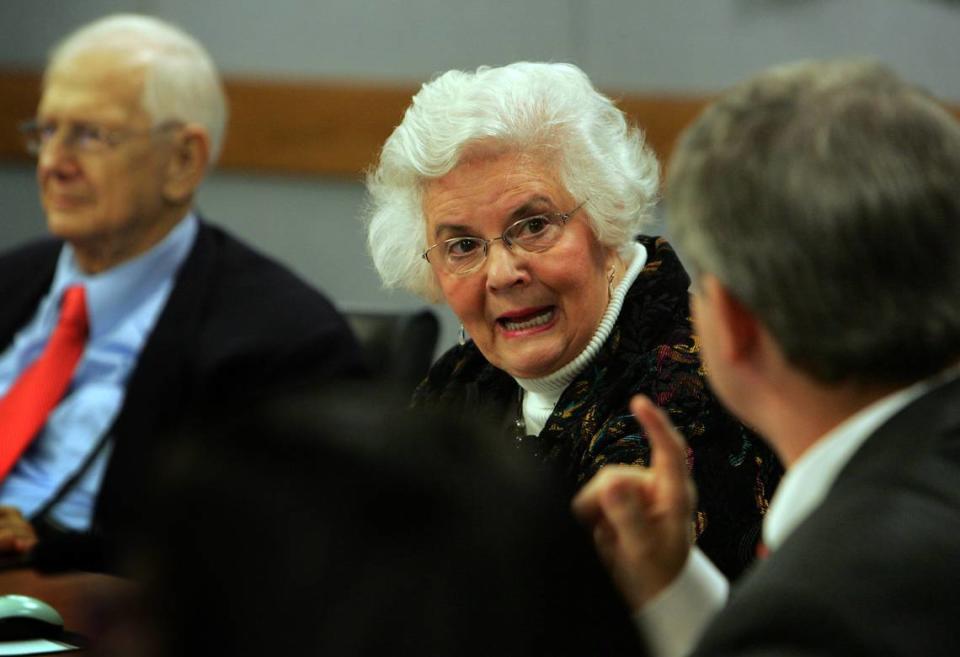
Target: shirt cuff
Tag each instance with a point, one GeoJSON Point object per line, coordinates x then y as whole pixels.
{"type": "Point", "coordinates": [674, 619]}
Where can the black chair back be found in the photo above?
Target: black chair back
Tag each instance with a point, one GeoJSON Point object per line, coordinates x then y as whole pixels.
{"type": "Point", "coordinates": [397, 346]}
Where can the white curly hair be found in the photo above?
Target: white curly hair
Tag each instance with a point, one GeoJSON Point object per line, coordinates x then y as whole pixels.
{"type": "Point", "coordinates": [546, 109]}
{"type": "Point", "coordinates": [181, 83]}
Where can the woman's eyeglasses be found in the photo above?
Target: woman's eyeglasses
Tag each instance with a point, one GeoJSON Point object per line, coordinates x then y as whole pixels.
{"type": "Point", "coordinates": [465, 255]}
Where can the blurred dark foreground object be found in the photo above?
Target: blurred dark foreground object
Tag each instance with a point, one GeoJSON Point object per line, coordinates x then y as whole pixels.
{"type": "Point", "coordinates": [344, 524]}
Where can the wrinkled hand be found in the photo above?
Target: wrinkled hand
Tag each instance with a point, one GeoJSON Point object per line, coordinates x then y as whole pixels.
{"type": "Point", "coordinates": [16, 533]}
{"type": "Point", "coordinates": [641, 516]}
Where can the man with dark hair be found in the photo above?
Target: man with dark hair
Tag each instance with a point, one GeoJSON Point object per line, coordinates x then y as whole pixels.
{"type": "Point", "coordinates": [138, 313]}
{"type": "Point", "coordinates": [819, 209]}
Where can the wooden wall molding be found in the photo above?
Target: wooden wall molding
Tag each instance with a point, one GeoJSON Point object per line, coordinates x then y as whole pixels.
{"type": "Point", "coordinates": [318, 127]}
{"type": "Point", "coordinates": [19, 93]}
{"type": "Point", "coordinates": [325, 128]}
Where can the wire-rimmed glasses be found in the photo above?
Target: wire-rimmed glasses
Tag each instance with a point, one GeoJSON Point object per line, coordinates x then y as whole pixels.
{"type": "Point", "coordinates": [466, 254]}
{"type": "Point", "coordinates": [81, 136]}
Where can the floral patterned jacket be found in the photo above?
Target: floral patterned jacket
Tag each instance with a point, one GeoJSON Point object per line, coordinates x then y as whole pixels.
{"type": "Point", "coordinates": [651, 350]}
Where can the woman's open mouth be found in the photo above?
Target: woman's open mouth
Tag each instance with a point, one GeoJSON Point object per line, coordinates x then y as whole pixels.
{"type": "Point", "coordinates": [528, 320]}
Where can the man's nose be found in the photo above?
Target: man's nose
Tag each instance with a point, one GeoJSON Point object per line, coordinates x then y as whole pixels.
{"type": "Point", "coordinates": [55, 151]}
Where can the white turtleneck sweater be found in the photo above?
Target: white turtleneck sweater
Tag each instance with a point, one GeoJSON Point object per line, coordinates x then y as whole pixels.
{"type": "Point", "coordinates": [540, 396]}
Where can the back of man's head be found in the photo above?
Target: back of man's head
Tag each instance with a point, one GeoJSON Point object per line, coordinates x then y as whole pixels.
{"type": "Point", "coordinates": [181, 81]}
{"type": "Point", "coordinates": [825, 197]}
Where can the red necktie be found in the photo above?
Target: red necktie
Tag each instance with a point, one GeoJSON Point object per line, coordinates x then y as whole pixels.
{"type": "Point", "coordinates": [30, 399]}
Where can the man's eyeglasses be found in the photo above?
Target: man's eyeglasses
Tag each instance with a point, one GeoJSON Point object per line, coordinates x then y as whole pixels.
{"type": "Point", "coordinates": [82, 137]}
{"type": "Point", "coordinates": [536, 234]}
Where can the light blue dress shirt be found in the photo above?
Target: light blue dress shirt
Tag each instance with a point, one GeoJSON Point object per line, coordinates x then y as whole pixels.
{"type": "Point", "coordinates": [123, 304]}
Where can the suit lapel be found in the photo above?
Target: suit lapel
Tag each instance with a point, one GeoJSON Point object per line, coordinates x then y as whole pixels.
{"type": "Point", "coordinates": [913, 430]}
{"type": "Point", "coordinates": [160, 384]}
{"type": "Point", "coordinates": [24, 278]}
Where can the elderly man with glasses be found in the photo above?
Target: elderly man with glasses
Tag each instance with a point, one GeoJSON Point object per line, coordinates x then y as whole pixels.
{"type": "Point", "coordinates": [137, 314]}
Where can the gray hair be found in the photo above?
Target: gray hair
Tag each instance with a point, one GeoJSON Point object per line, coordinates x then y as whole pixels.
{"type": "Point", "coordinates": [826, 197]}
{"type": "Point", "coordinates": [549, 110]}
{"type": "Point", "coordinates": [181, 83]}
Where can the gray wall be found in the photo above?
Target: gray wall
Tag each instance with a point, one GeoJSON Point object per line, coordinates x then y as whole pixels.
{"type": "Point", "coordinates": [629, 45]}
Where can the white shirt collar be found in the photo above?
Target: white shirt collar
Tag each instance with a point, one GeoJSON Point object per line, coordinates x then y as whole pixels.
{"type": "Point", "coordinates": [112, 293]}
{"type": "Point", "coordinates": [807, 482]}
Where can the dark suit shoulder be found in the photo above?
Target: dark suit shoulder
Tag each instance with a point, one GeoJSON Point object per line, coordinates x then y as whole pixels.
{"type": "Point", "coordinates": [33, 253]}
{"type": "Point", "coordinates": [883, 583]}
{"type": "Point", "coordinates": [875, 569]}
{"type": "Point", "coordinates": [244, 279]}
{"type": "Point", "coordinates": [26, 273]}
{"type": "Point", "coordinates": [247, 319]}
{"type": "Point", "coordinates": [26, 263]}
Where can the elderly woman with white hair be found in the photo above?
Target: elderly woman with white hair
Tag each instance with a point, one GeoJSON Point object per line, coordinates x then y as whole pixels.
{"type": "Point", "coordinates": [519, 196]}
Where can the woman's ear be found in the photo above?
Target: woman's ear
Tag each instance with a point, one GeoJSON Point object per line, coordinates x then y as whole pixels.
{"type": "Point", "coordinates": [187, 164]}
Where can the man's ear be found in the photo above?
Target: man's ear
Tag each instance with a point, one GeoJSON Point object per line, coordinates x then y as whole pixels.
{"type": "Point", "coordinates": [187, 164]}
{"type": "Point", "coordinates": [737, 328]}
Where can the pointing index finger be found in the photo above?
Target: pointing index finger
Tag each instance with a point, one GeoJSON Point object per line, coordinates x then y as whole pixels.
{"type": "Point", "coordinates": [668, 449]}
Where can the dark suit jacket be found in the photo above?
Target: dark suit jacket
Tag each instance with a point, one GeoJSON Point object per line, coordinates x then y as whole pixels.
{"type": "Point", "coordinates": [876, 569]}
{"type": "Point", "coordinates": [235, 326]}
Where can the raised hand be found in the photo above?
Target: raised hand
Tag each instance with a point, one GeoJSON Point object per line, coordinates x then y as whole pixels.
{"type": "Point", "coordinates": [641, 516]}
